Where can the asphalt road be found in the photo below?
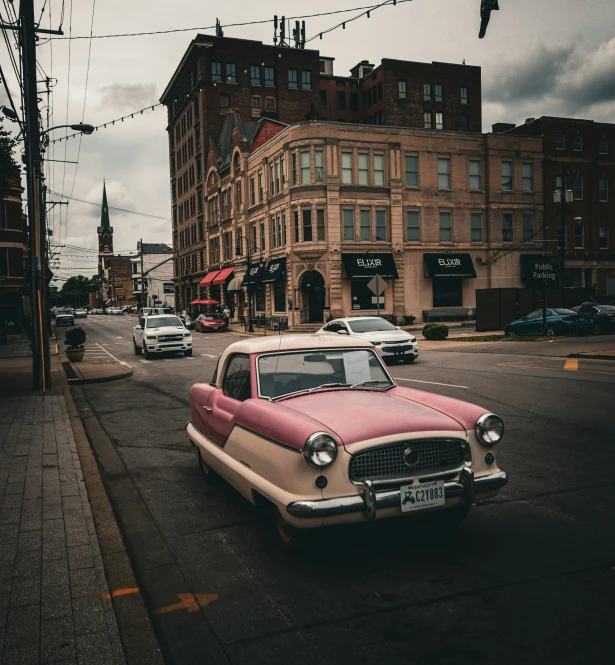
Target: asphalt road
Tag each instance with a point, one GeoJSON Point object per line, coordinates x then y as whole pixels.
{"type": "Point", "coordinates": [528, 578]}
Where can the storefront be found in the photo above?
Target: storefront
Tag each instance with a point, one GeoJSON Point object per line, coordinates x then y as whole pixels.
{"type": "Point", "coordinates": [360, 269]}
{"type": "Point", "coordinates": [447, 272]}
{"type": "Point", "coordinates": [252, 281]}
{"type": "Point", "coordinates": [275, 274]}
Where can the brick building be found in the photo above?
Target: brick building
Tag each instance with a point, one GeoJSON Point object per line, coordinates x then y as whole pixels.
{"type": "Point", "coordinates": [323, 206]}
{"type": "Point", "coordinates": [586, 149]}
{"type": "Point", "coordinates": [224, 86]}
{"type": "Point", "coordinates": [13, 253]}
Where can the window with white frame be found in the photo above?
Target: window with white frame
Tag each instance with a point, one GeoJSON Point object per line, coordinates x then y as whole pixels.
{"type": "Point", "coordinates": [412, 171]}
{"type": "Point", "coordinates": [439, 120]}
{"type": "Point", "coordinates": [528, 226]}
{"type": "Point", "coordinates": [365, 225]}
{"type": "Point", "coordinates": [444, 173]}
{"type": "Point", "coordinates": [438, 92]}
{"type": "Point", "coordinates": [427, 120]}
{"type": "Point", "coordinates": [269, 76]}
{"type": "Point", "coordinates": [507, 176]}
{"type": "Point", "coordinates": [560, 142]}
{"type": "Point", "coordinates": [507, 227]}
{"type": "Point", "coordinates": [413, 226]}
{"type": "Point", "coordinates": [255, 75]}
{"type": "Point", "coordinates": [306, 79]}
{"type": "Point", "coordinates": [427, 92]}
{"type": "Point", "coordinates": [293, 78]}
{"type": "Point", "coordinates": [476, 227]}
{"type": "Point", "coordinates": [348, 216]}
{"type": "Point", "coordinates": [446, 227]}
{"type": "Point", "coordinates": [363, 168]}
{"type": "Point", "coordinates": [379, 170]}
{"type": "Point", "coordinates": [402, 89]}
{"type": "Point", "coordinates": [347, 168]}
{"type": "Point", "coordinates": [216, 70]}
{"type": "Point", "coordinates": [527, 176]}
{"type": "Point", "coordinates": [304, 162]}
{"type": "Point", "coordinates": [231, 72]}
{"type": "Point", "coordinates": [464, 94]}
{"type": "Point", "coordinates": [318, 165]}
{"type": "Point", "coordinates": [476, 175]}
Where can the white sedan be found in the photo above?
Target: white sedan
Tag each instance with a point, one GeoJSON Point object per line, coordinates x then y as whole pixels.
{"type": "Point", "coordinates": [390, 341]}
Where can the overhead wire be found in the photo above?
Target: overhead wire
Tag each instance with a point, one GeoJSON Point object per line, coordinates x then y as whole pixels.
{"type": "Point", "coordinates": [130, 212]}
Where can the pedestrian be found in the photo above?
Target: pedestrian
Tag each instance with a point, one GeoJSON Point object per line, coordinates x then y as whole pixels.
{"type": "Point", "coordinates": [226, 313]}
{"type": "Point", "coordinates": [587, 308]}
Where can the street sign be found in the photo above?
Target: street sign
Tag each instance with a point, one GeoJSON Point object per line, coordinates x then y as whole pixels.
{"type": "Point", "coordinates": [377, 285]}
{"type": "Point", "coordinates": [542, 274]}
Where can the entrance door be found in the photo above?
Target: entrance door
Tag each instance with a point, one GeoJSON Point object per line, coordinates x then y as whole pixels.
{"type": "Point", "coordinates": [313, 294]}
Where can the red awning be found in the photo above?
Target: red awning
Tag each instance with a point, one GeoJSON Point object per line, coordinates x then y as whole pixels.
{"type": "Point", "coordinates": [209, 301]}
{"type": "Point", "coordinates": [196, 302]}
{"type": "Point", "coordinates": [206, 281]}
{"type": "Point", "coordinates": [223, 275]}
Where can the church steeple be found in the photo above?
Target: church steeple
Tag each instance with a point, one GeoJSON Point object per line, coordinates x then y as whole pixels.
{"type": "Point", "coordinates": [105, 230]}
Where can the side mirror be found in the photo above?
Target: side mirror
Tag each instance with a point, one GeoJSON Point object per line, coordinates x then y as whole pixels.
{"type": "Point", "coordinates": [343, 331]}
{"type": "Point", "coordinates": [398, 327]}
{"type": "Point", "coordinates": [138, 328]}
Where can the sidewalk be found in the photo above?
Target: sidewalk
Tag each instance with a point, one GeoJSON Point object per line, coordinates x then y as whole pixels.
{"type": "Point", "coordinates": [54, 597]}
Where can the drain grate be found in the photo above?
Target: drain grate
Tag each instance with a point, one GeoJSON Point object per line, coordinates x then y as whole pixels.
{"type": "Point", "coordinates": [69, 371]}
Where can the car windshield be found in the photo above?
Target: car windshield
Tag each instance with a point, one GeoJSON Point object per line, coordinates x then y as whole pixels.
{"type": "Point", "coordinates": [207, 318]}
{"type": "Point", "coordinates": [370, 325]}
{"type": "Point", "coordinates": [286, 373]}
{"type": "Point", "coordinates": [563, 312]}
{"type": "Point", "coordinates": [607, 309]}
{"type": "Point", "coordinates": [163, 322]}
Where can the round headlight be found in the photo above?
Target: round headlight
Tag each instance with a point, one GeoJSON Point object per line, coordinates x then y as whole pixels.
{"type": "Point", "coordinates": [489, 429]}
{"type": "Point", "coordinates": [320, 450]}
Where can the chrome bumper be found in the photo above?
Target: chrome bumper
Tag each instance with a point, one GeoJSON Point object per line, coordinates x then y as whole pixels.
{"type": "Point", "coordinates": [369, 501]}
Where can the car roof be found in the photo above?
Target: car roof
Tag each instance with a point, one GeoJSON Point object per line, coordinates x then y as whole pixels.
{"type": "Point", "coordinates": [160, 316]}
{"type": "Point", "coordinates": [295, 342]}
{"type": "Point", "coordinates": [358, 318]}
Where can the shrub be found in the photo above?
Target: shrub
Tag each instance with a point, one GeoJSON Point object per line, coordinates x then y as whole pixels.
{"type": "Point", "coordinates": [435, 332]}
{"type": "Point", "coordinates": [75, 337]}
{"type": "Point", "coordinates": [427, 326]}
{"type": "Point", "coordinates": [409, 319]}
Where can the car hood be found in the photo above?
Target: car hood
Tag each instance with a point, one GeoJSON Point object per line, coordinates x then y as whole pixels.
{"type": "Point", "coordinates": [166, 330]}
{"type": "Point", "coordinates": [360, 415]}
{"type": "Point", "coordinates": [384, 336]}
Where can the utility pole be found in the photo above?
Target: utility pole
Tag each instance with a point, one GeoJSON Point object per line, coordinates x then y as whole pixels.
{"type": "Point", "coordinates": [143, 300]}
{"type": "Point", "coordinates": [562, 251]}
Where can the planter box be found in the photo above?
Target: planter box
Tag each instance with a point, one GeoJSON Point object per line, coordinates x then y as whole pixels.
{"type": "Point", "coordinates": [75, 355]}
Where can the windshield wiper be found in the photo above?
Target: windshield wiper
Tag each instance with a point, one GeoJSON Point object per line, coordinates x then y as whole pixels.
{"type": "Point", "coordinates": [332, 385]}
{"type": "Point", "coordinates": [371, 383]}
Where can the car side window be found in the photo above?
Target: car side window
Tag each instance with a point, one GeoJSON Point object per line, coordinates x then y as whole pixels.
{"type": "Point", "coordinates": [534, 315]}
{"type": "Point", "coordinates": [236, 383]}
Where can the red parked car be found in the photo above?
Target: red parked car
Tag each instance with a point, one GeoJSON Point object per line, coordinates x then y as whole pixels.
{"type": "Point", "coordinates": [210, 323]}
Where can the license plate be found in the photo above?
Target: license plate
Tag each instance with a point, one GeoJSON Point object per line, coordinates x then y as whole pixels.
{"type": "Point", "coordinates": [422, 495]}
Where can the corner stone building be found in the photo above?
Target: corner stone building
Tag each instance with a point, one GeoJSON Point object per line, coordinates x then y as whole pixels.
{"type": "Point", "coordinates": [323, 206]}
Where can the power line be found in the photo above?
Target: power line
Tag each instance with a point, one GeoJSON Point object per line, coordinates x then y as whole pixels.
{"type": "Point", "coordinates": [109, 122]}
{"type": "Point", "coordinates": [130, 212]}
{"type": "Point", "coordinates": [228, 25]}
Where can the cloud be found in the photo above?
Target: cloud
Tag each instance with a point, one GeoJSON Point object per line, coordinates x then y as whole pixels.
{"type": "Point", "coordinates": [593, 82]}
{"type": "Point", "coordinates": [132, 96]}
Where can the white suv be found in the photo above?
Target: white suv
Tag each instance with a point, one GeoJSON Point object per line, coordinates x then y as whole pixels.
{"type": "Point", "coordinates": [159, 334]}
{"type": "Point", "coordinates": [390, 341]}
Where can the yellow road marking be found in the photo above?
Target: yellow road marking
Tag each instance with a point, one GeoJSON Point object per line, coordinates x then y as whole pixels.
{"type": "Point", "coordinates": [120, 592]}
{"type": "Point", "coordinates": [572, 364]}
{"type": "Point", "coordinates": [189, 601]}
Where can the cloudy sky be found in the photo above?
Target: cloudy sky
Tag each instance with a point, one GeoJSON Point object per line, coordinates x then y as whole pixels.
{"type": "Point", "coordinates": [540, 57]}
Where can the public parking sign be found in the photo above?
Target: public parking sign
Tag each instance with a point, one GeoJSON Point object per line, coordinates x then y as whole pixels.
{"type": "Point", "coordinates": [543, 274]}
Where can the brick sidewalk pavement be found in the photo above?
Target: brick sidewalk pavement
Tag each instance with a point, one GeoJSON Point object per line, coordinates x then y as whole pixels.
{"type": "Point", "coordinates": [52, 578]}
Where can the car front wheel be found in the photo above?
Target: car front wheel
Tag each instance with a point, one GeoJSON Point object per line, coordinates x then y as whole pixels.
{"type": "Point", "coordinates": [138, 349]}
{"type": "Point", "coordinates": [409, 361]}
{"type": "Point", "coordinates": [148, 355]}
{"type": "Point", "coordinates": [596, 329]}
{"type": "Point", "coordinates": [187, 353]}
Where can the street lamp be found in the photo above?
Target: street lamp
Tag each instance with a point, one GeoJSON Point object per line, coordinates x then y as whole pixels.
{"type": "Point", "coordinates": [79, 127]}
{"type": "Point", "coordinates": [238, 249]}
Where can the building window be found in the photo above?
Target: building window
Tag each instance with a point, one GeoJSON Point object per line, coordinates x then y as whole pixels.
{"type": "Point", "coordinates": [323, 99]}
{"type": "Point", "coordinates": [363, 168]}
{"type": "Point", "coordinates": [444, 173]}
{"type": "Point", "coordinates": [262, 229]}
{"type": "Point", "coordinates": [279, 297]}
{"type": "Point", "coordinates": [340, 101]}
{"type": "Point", "coordinates": [439, 121]}
{"type": "Point", "coordinates": [277, 177]}
{"type": "Point", "coordinates": [269, 76]}
{"type": "Point", "coordinates": [283, 169]}
{"type": "Point", "coordinates": [271, 180]}
{"type": "Point", "coordinates": [446, 227]}
{"type": "Point", "coordinates": [476, 227]}
{"type": "Point", "coordinates": [255, 75]}
{"type": "Point", "coordinates": [228, 246]}
{"type": "Point", "coordinates": [403, 89]}
{"type": "Point", "coordinates": [216, 70]}
{"type": "Point", "coordinates": [306, 79]}
{"type": "Point", "coordinates": [225, 101]}
{"type": "Point", "coordinates": [412, 171]}
{"type": "Point", "coordinates": [603, 146]}
{"type": "Point", "coordinates": [464, 94]}
{"type": "Point", "coordinates": [365, 225]}
{"type": "Point", "coordinates": [273, 233]}
{"type": "Point", "coordinates": [293, 80]}
{"type": "Point", "coordinates": [256, 106]}
{"type": "Point", "coordinates": [381, 224]}
{"type": "Point", "coordinates": [438, 92]}
{"type": "Point", "coordinates": [320, 224]}
{"type": "Point", "coordinates": [603, 194]}
{"type": "Point", "coordinates": [318, 166]}
{"type": "Point", "coordinates": [252, 192]}
{"type": "Point", "coordinates": [4, 261]}
{"type": "Point", "coordinates": [578, 236]}
{"type": "Point", "coordinates": [307, 225]}
{"type": "Point", "coordinates": [476, 175]}
{"type": "Point", "coordinates": [528, 227]}
{"type": "Point", "coordinates": [253, 237]}
{"type": "Point", "coordinates": [604, 237]}
{"type": "Point", "coordinates": [304, 157]}
{"type": "Point", "coordinates": [260, 186]}
{"type": "Point", "coordinates": [413, 226]}
{"type": "Point", "coordinates": [379, 170]}
{"type": "Point", "coordinates": [294, 167]}
{"type": "Point", "coordinates": [577, 142]}
{"type": "Point", "coordinates": [348, 224]}
{"type": "Point", "coordinates": [231, 72]}
{"type": "Point", "coordinates": [527, 177]}
{"type": "Point", "coordinates": [464, 124]}
{"type": "Point", "coordinates": [296, 225]}
{"type": "Point", "coordinates": [347, 168]}
{"type": "Point", "coordinates": [427, 92]}
{"type": "Point", "coordinates": [507, 176]}
{"type": "Point", "coordinates": [577, 187]}
{"type": "Point", "coordinates": [507, 227]}
{"type": "Point", "coordinates": [427, 122]}
{"type": "Point", "coordinates": [560, 142]}
{"type": "Point", "coordinates": [354, 101]}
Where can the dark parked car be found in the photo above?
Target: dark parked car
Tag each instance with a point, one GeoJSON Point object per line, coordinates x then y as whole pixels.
{"type": "Point", "coordinates": [603, 319]}
{"type": "Point", "coordinates": [188, 321]}
{"type": "Point", "coordinates": [560, 321]}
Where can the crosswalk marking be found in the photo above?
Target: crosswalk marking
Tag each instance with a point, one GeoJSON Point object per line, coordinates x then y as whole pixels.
{"type": "Point", "coordinates": [208, 355]}
{"type": "Point", "coordinates": [144, 361]}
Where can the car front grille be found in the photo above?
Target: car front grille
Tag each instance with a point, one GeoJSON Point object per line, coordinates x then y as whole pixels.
{"type": "Point", "coordinates": [403, 347]}
{"type": "Point", "coordinates": [387, 462]}
{"type": "Point", "coordinates": [170, 338]}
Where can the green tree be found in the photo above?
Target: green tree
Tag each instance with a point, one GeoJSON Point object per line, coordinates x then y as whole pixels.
{"type": "Point", "coordinates": [8, 165]}
{"type": "Point", "coordinates": [75, 289]}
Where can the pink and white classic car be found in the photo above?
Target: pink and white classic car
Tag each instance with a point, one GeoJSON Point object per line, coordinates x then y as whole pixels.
{"type": "Point", "coordinates": [315, 427]}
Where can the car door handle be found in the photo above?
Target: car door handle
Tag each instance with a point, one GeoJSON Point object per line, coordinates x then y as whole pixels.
{"type": "Point", "coordinates": [207, 408]}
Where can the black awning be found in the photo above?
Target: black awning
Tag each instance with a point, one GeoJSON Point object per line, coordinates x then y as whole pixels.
{"type": "Point", "coordinates": [275, 271]}
{"type": "Point", "coordinates": [449, 265]}
{"type": "Point", "coordinates": [366, 266]}
{"type": "Point", "coordinates": [253, 276]}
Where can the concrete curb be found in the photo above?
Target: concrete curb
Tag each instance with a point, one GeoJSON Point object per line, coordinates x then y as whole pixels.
{"type": "Point", "coordinates": [136, 631]}
{"type": "Point", "coordinates": [593, 356]}
{"type": "Point", "coordinates": [102, 379]}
